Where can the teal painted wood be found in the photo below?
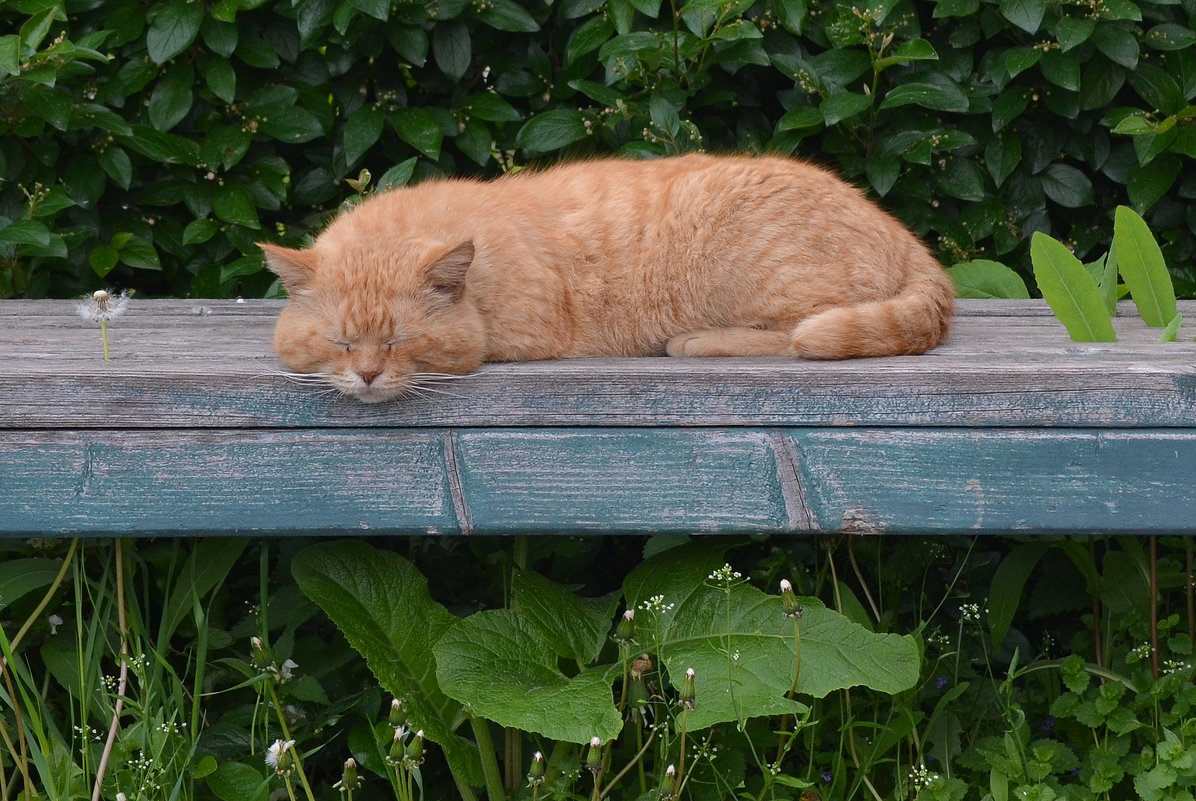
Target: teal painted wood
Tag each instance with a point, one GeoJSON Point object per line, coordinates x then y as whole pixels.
{"type": "Point", "coordinates": [128, 483]}
{"type": "Point", "coordinates": [511, 481]}
{"type": "Point", "coordinates": [190, 429]}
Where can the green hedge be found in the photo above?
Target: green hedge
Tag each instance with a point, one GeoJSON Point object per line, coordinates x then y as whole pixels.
{"type": "Point", "coordinates": [150, 144]}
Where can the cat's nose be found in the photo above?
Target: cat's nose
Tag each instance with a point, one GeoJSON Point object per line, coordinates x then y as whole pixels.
{"type": "Point", "coordinates": [368, 376]}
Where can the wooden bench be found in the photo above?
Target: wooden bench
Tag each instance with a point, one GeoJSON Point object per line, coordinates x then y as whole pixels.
{"type": "Point", "coordinates": [1010, 427]}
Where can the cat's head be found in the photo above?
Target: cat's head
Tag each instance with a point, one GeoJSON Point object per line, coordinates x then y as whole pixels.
{"type": "Point", "coordinates": [374, 323]}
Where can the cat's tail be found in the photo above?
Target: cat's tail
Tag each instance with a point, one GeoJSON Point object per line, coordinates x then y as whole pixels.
{"type": "Point", "coordinates": [914, 320]}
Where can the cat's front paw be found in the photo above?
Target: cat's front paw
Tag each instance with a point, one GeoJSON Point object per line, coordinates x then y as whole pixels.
{"type": "Point", "coordinates": [693, 343]}
{"type": "Point", "coordinates": [730, 342]}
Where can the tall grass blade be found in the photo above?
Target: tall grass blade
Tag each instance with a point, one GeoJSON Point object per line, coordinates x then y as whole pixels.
{"type": "Point", "coordinates": [1070, 291]}
{"type": "Point", "coordinates": [1140, 261]}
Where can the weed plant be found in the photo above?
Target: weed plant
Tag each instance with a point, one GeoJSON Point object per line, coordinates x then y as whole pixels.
{"type": "Point", "coordinates": [592, 668]}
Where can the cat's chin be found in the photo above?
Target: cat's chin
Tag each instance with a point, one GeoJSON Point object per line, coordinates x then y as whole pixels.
{"type": "Point", "coordinates": [375, 394]}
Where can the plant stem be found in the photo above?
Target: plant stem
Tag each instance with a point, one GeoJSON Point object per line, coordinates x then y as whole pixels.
{"type": "Point", "coordinates": [481, 733]}
{"type": "Point", "coordinates": [122, 625]}
{"type": "Point", "coordinates": [1154, 605]}
{"type": "Point", "coordinates": [104, 335]}
{"type": "Point", "coordinates": [638, 759]}
{"type": "Point", "coordinates": [286, 735]}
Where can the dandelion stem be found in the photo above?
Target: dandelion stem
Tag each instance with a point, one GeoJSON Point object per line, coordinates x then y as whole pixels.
{"type": "Point", "coordinates": [286, 735]}
{"type": "Point", "coordinates": [122, 624]}
{"type": "Point", "coordinates": [104, 336]}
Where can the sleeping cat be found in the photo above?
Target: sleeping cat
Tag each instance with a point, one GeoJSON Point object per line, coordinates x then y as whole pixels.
{"type": "Point", "coordinates": [694, 255]}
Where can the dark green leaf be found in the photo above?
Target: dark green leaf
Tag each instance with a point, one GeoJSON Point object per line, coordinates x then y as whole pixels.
{"type": "Point", "coordinates": [935, 96]}
{"type": "Point", "coordinates": [25, 232]}
{"type": "Point", "coordinates": [103, 259]}
{"type": "Point", "coordinates": [551, 130]}
{"type": "Point", "coordinates": [115, 162]}
{"type": "Point", "coordinates": [1149, 182]}
{"type": "Point", "coordinates": [1002, 154]}
{"type": "Point", "coordinates": [490, 107]}
{"type": "Point", "coordinates": [1009, 106]}
{"type": "Point", "coordinates": [361, 132]}
{"type": "Point", "coordinates": [800, 118]}
{"type": "Point", "coordinates": [398, 175]}
{"type": "Point", "coordinates": [1170, 36]}
{"type": "Point", "coordinates": [221, 79]}
{"type": "Point", "coordinates": [1025, 14]}
{"type": "Point", "coordinates": [1068, 186]}
{"type": "Point", "coordinates": [1154, 85]}
{"type": "Point", "coordinates": [987, 279]}
{"type": "Point", "coordinates": [882, 174]}
{"type": "Point", "coordinates": [452, 49]}
{"type": "Point", "coordinates": [418, 128]}
{"type": "Point", "coordinates": [588, 37]}
{"type": "Point", "coordinates": [843, 106]}
{"type": "Point", "coordinates": [171, 99]}
{"type": "Point", "coordinates": [139, 254]}
{"type": "Point", "coordinates": [173, 29]}
{"type": "Point", "coordinates": [199, 231]}
{"type": "Point", "coordinates": [231, 204]}
{"type": "Point", "coordinates": [1117, 43]}
{"type": "Point", "coordinates": [475, 140]}
{"type": "Point", "coordinates": [1020, 59]}
{"type": "Point", "coordinates": [10, 54]}
{"type": "Point", "coordinates": [1070, 291]}
{"type": "Point", "coordinates": [235, 781]}
{"type": "Point", "coordinates": [292, 124]}
{"type": "Point", "coordinates": [1061, 70]}
{"type": "Point", "coordinates": [506, 15]}
{"type": "Point", "coordinates": [1072, 32]}
{"type": "Point", "coordinates": [378, 9]}
{"type": "Point", "coordinates": [963, 179]}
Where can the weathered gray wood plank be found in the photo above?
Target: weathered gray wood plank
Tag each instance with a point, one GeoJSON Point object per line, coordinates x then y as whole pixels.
{"type": "Point", "coordinates": [208, 364]}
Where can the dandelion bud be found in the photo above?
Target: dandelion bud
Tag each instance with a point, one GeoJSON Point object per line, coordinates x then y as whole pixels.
{"type": "Point", "coordinates": [397, 748]}
{"type": "Point", "coordinates": [594, 756]}
{"type": "Point", "coordinates": [415, 750]}
{"type": "Point", "coordinates": [792, 607]}
{"type": "Point", "coordinates": [625, 630]}
{"type": "Point", "coordinates": [688, 694]}
{"type": "Point", "coordinates": [398, 714]}
{"type": "Point", "coordinates": [668, 785]}
{"type": "Point", "coordinates": [641, 666]}
{"type": "Point", "coordinates": [349, 780]}
{"type": "Point", "coordinates": [535, 774]}
{"type": "Point", "coordinates": [261, 654]}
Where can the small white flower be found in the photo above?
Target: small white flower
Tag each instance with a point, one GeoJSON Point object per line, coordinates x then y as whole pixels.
{"type": "Point", "coordinates": [285, 670]}
{"type": "Point", "coordinates": [55, 621]}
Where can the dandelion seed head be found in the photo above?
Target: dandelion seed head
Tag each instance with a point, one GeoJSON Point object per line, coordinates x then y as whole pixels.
{"type": "Point", "coordinates": [103, 306]}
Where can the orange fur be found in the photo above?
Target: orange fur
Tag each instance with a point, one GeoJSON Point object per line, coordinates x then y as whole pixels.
{"type": "Point", "coordinates": [694, 256]}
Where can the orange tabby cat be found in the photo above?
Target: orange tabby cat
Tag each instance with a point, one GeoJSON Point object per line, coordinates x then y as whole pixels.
{"type": "Point", "coordinates": [691, 256]}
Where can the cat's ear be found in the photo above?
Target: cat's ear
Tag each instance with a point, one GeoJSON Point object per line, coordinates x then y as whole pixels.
{"type": "Point", "coordinates": [294, 267]}
{"type": "Point", "coordinates": [446, 271]}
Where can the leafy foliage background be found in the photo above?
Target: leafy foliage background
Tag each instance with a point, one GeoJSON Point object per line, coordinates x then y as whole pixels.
{"type": "Point", "coordinates": [151, 144]}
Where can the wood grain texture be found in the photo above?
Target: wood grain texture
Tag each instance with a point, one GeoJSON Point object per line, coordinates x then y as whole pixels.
{"type": "Point", "coordinates": [1008, 427]}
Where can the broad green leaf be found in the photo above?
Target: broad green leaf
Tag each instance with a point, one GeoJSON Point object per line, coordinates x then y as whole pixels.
{"type": "Point", "coordinates": [1117, 43]}
{"type": "Point", "coordinates": [10, 54]}
{"type": "Point", "coordinates": [588, 37]}
{"type": "Point", "coordinates": [25, 232]}
{"type": "Point", "coordinates": [199, 231]}
{"type": "Point", "coordinates": [1008, 582]}
{"type": "Point", "coordinates": [291, 124]}
{"type": "Point", "coordinates": [103, 259]}
{"type": "Point", "coordinates": [1071, 32]}
{"type": "Point", "coordinates": [936, 96]}
{"type": "Point", "coordinates": [1061, 70]}
{"type": "Point", "coordinates": [418, 128]}
{"type": "Point", "coordinates": [116, 163]}
{"type": "Point", "coordinates": [882, 174]}
{"type": "Point", "coordinates": [800, 118]}
{"type": "Point", "coordinates": [19, 577]}
{"type": "Point", "coordinates": [576, 628]}
{"type": "Point", "coordinates": [1068, 186]}
{"type": "Point", "coordinates": [1025, 14]}
{"type": "Point", "coordinates": [982, 278]}
{"type": "Point", "coordinates": [361, 132]}
{"type": "Point", "coordinates": [172, 97]}
{"type": "Point", "coordinates": [490, 107]}
{"type": "Point", "coordinates": [232, 204]}
{"type": "Point", "coordinates": [1157, 87]}
{"type": "Point", "coordinates": [551, 130]}
{"type": "Point", "coordinates": [1170, 36]}
{"type": "Point", "coordinates": [962, 178]}
{"type": "Point", "coordinates": [1140, 262]}
{"type": "Point", "coordinates": [378, 9]}
{"type": "Point", "coordinates": [139, 254]}
{"type": "Point", "coordinates": [1002, 154]}
{"type": "Point", "coordinates": [1149, 182]}
{"type": "Point", "coordinates": [741, 645]}
{"type": "Point", "coordinates": [498, 664]}
{"type": "Point", "coordinates": [1020, 59]}
{"type": "Point", "coordinates": [380, 602]}
{"type": "Point", "coordinates": [236, 781]}
{"type": "Point", "coordinates": [1070, 291]}
{"type": "Point", "coordinates": [221, 79]}
{"type": "Point", "coordinates": [913, 50]}
{"type": "Point", "coordinates": [843, 106]}
{"type": "Point", "coordinates": [452, 48]}
{"type": "Point", "coordinates": [398, 175]}
{"type": "Point", "coordinates": [506, 15]}
{"type": "Point", "coordinates": [173, 29]}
